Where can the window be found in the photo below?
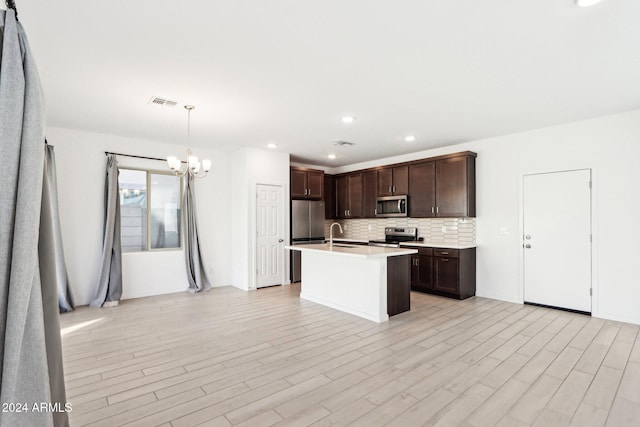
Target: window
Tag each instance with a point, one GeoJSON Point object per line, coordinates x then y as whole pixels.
{"type": "Point", "coordinates": [149, 210]}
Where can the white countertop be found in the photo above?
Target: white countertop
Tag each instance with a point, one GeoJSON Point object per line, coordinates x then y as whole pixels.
{"type": "Point", "coordinates": [350, 240]}
{"type": "Point", "coordinates": [425, 244]}
{"type": "Point", "coordinates": [420, 243]}
{"type": "Point", "coordinates": [359, 251]}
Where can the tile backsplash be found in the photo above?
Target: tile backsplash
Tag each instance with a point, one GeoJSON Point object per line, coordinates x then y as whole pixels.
{"type": "Point", "coordinates": [455, 231]}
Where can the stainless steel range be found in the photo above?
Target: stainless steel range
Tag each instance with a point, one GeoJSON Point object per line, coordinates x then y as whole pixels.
{"type": "Point", "coordinates": [394, 235]}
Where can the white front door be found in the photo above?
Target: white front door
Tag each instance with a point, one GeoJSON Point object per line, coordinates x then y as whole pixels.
{"type": "Point", "coordinates": [557, 239]}
{"type": "Point", "coordinates": [270, 236]}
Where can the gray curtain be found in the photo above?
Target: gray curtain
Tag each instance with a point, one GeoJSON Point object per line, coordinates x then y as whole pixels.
{"type": "Point", "coordinates": [196, 271]}
{"type": "Point", "coordinates": [30, 349]}
{"type": "Point", "coordinates": [53, 270]}
{"type": "Point", "coordinates": [110, 277]}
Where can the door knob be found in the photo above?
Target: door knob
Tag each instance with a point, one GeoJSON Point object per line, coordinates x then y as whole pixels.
{"type": "Point", "coordinates": [527, 246]}
{"type": "Point", "coordinates": [528, 237]}
{"type": "Point", "coordinates": [280, 240]}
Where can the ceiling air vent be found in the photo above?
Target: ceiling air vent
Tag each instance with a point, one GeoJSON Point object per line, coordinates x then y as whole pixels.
{"type": "Point", "coordinates": [344, 143]}
{"type": "Point", "coordinates": [164, 102]}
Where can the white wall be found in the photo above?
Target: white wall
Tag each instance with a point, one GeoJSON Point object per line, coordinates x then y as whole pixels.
{"type": "Point", "coordinates": [81, 163]}
{"type": "Point", "coordinates": [611, 147]}
{"type": "Point", "coordinates": [251, 167]}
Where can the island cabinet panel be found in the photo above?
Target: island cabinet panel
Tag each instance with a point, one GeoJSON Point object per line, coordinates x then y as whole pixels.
{"type": "Point", "coordinates": [422, 190]}
{"type": "Point", "coordinates": [349, 196]}
{"type": "Point", "coordinates": [446, 272]}
{"type": "Point", "coordinates": [329, 197]}
{"type": "Point", "coordinates": [422, 269]}
{"type": "Point", "coordinates": [392, 181]}
{"type": "Point", "coordinates": [306, 183]}
{"type": "Point", "coordinates": [398, 284]}
{"type": "Point", "coordinates": [369, 194]}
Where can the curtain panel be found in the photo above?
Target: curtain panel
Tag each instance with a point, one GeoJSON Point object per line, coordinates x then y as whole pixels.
{"type": "Point", "coordinates": [53, 268]}
{"type": "Point", "coordinates": [196, 271]}
{"type": "Point", "coordinates": [30, 352]}
{"type": "Point", "coordinates": [109, 289]}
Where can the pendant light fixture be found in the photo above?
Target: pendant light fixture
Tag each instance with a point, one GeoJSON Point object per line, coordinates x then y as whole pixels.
{"type": "Point", "coordinates": [194, 167]}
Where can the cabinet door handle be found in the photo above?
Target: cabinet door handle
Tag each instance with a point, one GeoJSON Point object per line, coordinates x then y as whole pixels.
{"type": "Point", "coordinates": [437, 209]}
{"type": "Point", "coordinates": [417, 262]}
{"type": "Point", "coordinates": [433, 210]}
{"type": "Point", "coordinates": [375, 211]}
{"type": "Point", "coordinates": [444, 253]}
{"type": "Point", "coordinates": [445, 259]}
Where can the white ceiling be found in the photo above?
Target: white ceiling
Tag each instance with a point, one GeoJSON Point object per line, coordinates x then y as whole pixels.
{"type": "Point", "coordinates": [286, 71]}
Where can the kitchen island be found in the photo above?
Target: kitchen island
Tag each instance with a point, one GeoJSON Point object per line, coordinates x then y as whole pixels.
{"type": "Point", "coordinates": [366, 281]}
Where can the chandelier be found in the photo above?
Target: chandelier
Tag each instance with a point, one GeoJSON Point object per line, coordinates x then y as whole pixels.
{"type": "Point", "coordinates": [194, 168]}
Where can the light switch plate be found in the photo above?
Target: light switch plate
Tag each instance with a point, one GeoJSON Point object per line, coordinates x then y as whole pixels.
{"type": "Point", "coordinates": [504, 231]}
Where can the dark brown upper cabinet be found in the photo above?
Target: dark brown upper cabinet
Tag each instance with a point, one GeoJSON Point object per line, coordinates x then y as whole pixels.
{"type": "Point", "coordinates": [456, 187]}
{"type": "Point", "coordinates": [349, 196]}
{"type": "Point", "coordinates": [443, 188]}
{"type": "Point", "coordinates": [392, 181]}
{"type": "Point", "coordinates": [422, 190]}
{"type": "Point", "coordinates": [307, 183]}
{"type": "Point", "coordinates": [369, 193]}
{"type": "Point", "coordinates": [438, 187]}
{"type": "Point", "coordinates": [329, 197]}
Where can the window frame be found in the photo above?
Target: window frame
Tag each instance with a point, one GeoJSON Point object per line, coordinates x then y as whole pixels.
{"type": "Point", "coordinates": [148, 209]}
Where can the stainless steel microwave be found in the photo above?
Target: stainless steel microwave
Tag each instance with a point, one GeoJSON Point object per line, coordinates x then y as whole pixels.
{"type": "Point", "coordinates": [391, 206]}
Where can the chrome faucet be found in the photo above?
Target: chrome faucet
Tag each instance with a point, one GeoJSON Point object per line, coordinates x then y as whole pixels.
{"type": "Point", "coordinates": [331, 233]}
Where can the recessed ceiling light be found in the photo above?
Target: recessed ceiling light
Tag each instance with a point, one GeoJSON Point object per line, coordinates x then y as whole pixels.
{"type": "Point", "coordinates": [587, 3]}
{"type": "Point", "coordinates": [348, 119]}
{"type": "Point", "coordinates": [409, 138]}
{"type": "Point", "coordinates": [331, 156]}
{"type": "Point", "coordinates": [272, 146]}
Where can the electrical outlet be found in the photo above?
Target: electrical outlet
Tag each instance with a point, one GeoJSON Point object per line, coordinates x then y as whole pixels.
{"type": "Point", "coordinates": [504, 231]}
{"type": "Point", "coordinates": [444, 228]}
{"type": "Point", "coordinates": [369, 227]}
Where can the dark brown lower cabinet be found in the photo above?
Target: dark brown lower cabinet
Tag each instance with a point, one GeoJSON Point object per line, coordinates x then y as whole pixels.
{"type": "Point", "coordinates": [446, 272]}
{"type": "Point", "coordinates": [422, 270]}
{"type": "Point", "coordinates": [398, 284]}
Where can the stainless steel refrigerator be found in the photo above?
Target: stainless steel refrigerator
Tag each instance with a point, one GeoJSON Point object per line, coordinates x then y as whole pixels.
{"type": "Point", "coordinates": [307, 227]}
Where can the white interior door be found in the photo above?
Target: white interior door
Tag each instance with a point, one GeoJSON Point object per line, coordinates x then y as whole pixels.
{"type": "Point", "coordinates": [270, 236]}
{"type": "Point", "coordinates": [557, 239]}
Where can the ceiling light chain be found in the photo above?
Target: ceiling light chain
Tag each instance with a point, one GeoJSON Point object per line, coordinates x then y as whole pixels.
{"type": "Point", "coordinates": [194, 167]}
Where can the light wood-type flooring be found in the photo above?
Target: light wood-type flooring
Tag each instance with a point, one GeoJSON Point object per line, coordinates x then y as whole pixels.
{"type": "Point", "coordinates": [229, 357]}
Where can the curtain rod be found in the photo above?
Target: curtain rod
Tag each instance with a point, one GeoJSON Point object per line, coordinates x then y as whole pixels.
{"type": "Point", "coordinates": [138, 157]}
